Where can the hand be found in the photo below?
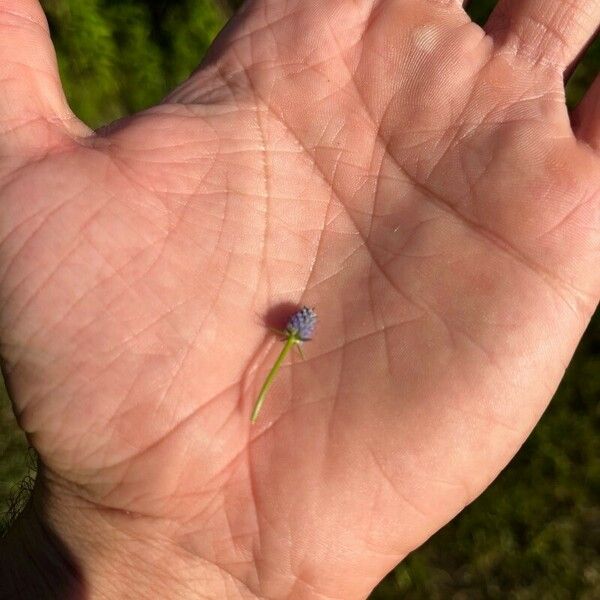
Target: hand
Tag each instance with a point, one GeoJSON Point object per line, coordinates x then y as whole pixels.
{"type": "Point", "coordinates": [416, 180]}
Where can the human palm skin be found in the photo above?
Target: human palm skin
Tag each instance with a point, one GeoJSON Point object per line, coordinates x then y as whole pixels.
{"type": "Point", "coordinates": [414, 179]}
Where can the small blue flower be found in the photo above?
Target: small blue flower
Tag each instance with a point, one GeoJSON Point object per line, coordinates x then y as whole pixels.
{"type": "Point", "coordinates": [299, 328]}
{"type": "Point", "coordinates": [302, 324]}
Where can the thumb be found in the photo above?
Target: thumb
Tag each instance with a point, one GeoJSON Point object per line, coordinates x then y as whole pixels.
{"type": "Point", "coordinates": [34, 114]}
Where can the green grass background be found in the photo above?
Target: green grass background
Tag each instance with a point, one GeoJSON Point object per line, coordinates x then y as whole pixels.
{"type": "Point", "coordinates": [535, 533]}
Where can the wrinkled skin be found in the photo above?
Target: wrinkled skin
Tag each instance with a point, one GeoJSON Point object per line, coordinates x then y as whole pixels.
{"type": "Point", "coordinates": [416, 180]}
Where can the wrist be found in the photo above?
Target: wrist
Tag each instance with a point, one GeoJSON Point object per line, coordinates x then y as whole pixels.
{"type": "Point", "coordinates": [63, 547]}
{"type": "Point", "coordinates": [35, 563]}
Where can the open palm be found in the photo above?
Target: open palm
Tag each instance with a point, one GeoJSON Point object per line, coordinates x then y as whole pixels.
{"type": "Point", "coordinates": [415, 180]}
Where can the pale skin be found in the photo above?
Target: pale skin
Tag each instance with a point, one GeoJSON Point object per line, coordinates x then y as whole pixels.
{"type": "Point", "coordinates": [415, 178]}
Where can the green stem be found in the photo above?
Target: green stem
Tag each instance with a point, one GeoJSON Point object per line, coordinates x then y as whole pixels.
{"type": "Point", "coordinates": [292, 339]}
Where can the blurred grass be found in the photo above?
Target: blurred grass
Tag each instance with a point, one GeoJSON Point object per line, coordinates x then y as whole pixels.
{"type": "Point", "coordinates": [535, 533]}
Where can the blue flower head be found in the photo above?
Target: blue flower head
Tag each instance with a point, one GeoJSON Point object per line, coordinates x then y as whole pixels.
{"type": "Point", "coordinates": [302, 323]}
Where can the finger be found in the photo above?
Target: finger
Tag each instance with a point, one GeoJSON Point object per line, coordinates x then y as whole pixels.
{"type": "Point", "coordinates": [586, 117]}
{"type": "Point", "coordinates": [545, 31]}
{"type": "Point", "coordinates": [33, 109]}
